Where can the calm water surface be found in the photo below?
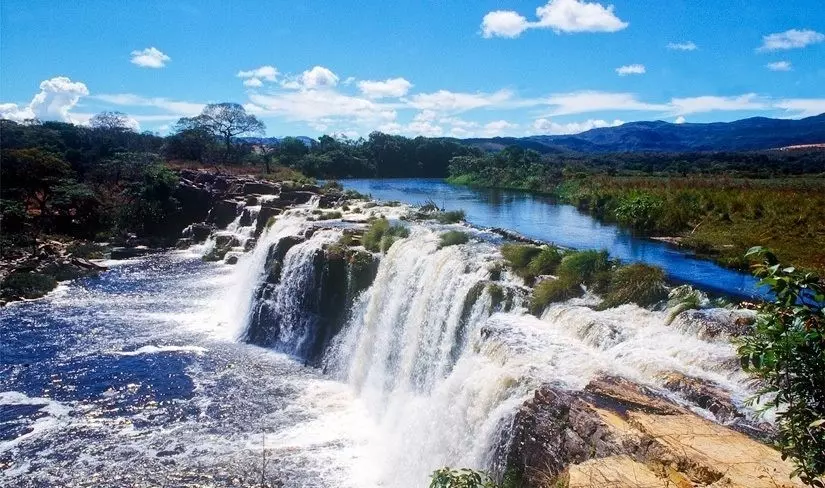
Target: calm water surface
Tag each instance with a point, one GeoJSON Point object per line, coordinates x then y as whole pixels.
{"type": "Point", "coordinates": [538, 217]}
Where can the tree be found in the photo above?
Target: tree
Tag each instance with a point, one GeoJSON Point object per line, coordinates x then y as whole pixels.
{"type": "Point", "coordinates": [786, 351]}
{"type": "Point", "coordinates": [112, 121]}
{"type": "Point", "coordinates": [226, 121]}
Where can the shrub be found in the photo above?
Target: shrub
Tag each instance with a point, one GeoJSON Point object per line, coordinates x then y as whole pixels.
{"type": "Point", "coordinates": [640, 211]}
{"type": "Point", "coordinates": [552, 291]}
{"type": "Point", "coordinates": [451, 217]}
{"type": "Point", "coordinates": [518, 256]}
{"type": "Point", "coordinates": [452, 238]}
{"type": "Point", "coordinates": [636, 283]}
{"type": "Point", "coordinates": [86, 250]}
{"type": "Point", "coordinates": [460, 478]}
{"type": "Point", "coordinates": [380, 235]}
{"type": "Point", "coordinates": [584, 266]}
{"type": "Point", "coordinates": [496, 293]}
{"type": "Point", "coordinates": [330, 215]}
{"type": "Point", "coordinates": [786, 351]}
{"type": "Point", "coordinates": [545, 262]}
{"type": "Point", "coordinates": [27, 285]}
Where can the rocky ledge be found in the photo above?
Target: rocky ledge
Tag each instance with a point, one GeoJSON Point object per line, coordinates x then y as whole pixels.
{"type": "Point", "coordinates": [616, 433]}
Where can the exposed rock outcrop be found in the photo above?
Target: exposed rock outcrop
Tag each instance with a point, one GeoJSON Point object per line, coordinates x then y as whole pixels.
{"type": "Point", "coordinates": [618, 433]}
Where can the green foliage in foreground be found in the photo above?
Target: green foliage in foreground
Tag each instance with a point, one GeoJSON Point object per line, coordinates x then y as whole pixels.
{"type": "Point", "coordinates": [381, 235]}
{"type": "Point", "coordinates": [460, 478]}
{"type": "Point", "coordinates": [452, 238]}
{"type": "Point", "coordinates": [553, 291]}
{"type": "Point", "coordinates": [786, 351]}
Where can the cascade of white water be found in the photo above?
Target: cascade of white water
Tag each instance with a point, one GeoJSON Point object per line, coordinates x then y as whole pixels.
{"type": "Point", "coordinates": [286, 309]}
{"type": "Point", "coordinates": [249, 272]}
{"type": "Point", "coordinates": [400, 347]}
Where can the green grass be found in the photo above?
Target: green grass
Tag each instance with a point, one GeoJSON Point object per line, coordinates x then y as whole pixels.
{"type": "Point", "coordinates": [636, 283]}
{"type": "Point", "coordinates": [552, 291]}
{"type": "Point", "coordinates": [381, 235]}
{"type": "Point", "coordinates": [452, 238]}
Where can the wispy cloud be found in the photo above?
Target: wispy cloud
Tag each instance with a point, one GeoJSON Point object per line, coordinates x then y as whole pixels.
{"type": "Point", "coordinates": [779, 66]}
{"type": "Point", "coordinates": [631, 69]}
{"type": "Point", "coordinates": [790, 39]}
{"type": "Point", "coordinates": [682, 46]}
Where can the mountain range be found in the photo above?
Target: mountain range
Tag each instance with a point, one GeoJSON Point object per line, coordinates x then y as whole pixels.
{"type": "Point", "coordinates": [753, 134]}
{"type": "Point", "coordinates": [757, 133]}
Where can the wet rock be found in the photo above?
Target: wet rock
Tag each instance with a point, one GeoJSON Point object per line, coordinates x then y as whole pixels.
{"type": "Point", "coordinates": [704, 394]}
{"type": "Point", "coordinates": [250, 244]}
{"type": "Point", "coordinates": [198, 232]}
{"type": "Point", "coordinates": [260, 188]}
{"type": "Point", "coordinates": [223, 213]}
{"type": "Point", "coordinates": [131, 252]}
{"type": "Point", "coordinates": [204, 177]}
{"type": "Point", "coordinates": [184, 243]}
{"type": "Point", "coordinates": [231, 259]}
{"type": "Point", "coordinates": [194, 201]}
{"type": "Point", "coordinates": [246, 218]}
{"type": "Point", "coordinates": [715, 322]}
{"type": "Point", "coordinates": [276, 254]}
{"type": "Point", "coordinates": [251, 200]}
{"type": "Point", "coordinates": [297, 197]}
{"type": "Point", "coordinates": [264, 215]}
{"type": "Point", "coordinates": [226, 241]}
{"type": "Point", "coordinates": [221, 184]}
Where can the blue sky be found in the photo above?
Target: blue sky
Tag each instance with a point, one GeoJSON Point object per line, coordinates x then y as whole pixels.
{"type": "Point", "coordinates": [433, 68]}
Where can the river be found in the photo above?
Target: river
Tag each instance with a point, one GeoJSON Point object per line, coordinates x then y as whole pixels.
{"type": "Point", "coordinates": [144, 376]}
{"type": "Point", "coordinates": [539, 217]}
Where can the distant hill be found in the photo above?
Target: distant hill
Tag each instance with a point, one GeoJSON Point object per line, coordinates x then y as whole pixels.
{"type": "Point", "coordinates": [756, 133]}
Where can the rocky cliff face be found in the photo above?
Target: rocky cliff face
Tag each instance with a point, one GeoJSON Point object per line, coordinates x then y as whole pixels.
{"type": "Point", "coordinates": [619, 433]}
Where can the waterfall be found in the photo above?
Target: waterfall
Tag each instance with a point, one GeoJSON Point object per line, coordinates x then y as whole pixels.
{"type": "Point", "coordinates": [287, 314]}
{"type": "Point", "coordinates": [438, 364]}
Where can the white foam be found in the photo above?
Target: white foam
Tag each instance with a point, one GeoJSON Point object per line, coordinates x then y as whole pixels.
{"type": "Point", "coordinates": [162, 349]}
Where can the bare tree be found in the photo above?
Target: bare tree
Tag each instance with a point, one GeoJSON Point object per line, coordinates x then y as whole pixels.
{"type": "Point", "coordinates": [114, 121]}
{"type": "Point", "coordinates": [226, 121]}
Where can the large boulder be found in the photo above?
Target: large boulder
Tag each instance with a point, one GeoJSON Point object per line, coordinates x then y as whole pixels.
{"type": "Point", "coordinates": [195, 202]}
{"type": "Point", "coordinates": [715, 322]}
{"type": "Point", "coordinates": [297, 197]}
{"type": "Point", "coordinates": [260, 188]}
{"type": "Point", "coordinates": [198, 232]}
{"type": "Point", "coordinates": [618, 433]}
{"type": "Point", "coordinates": [223, 213]}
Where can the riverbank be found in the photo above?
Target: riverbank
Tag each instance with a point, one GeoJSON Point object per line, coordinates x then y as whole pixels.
{"type": "Point", "coordinates": [716, 217]}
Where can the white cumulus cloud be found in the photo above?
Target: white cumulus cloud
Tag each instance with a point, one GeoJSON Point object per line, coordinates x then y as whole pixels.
{"type": "Point", "coordinates": [150, 57]}
{"type": "Point", "coordinates": [682, 46]}
{"type": "Point", "coordinates": [503, 23]}
{"type": "Point", "coordinates": [680, 120]}
{"type": "Point", "coordinates": [392, 88]}
{"type": "Point", "coordinates": [546, 126]}
{"type": "Point", "coordinates": [779, 66]}
{"type": "Point", "coordinates": [790, 39]}
{"type": "Point", "coordinates": [318, 77]}
{"type": "Point", "coordinates": [631, 69]}
{"type": "Point", "coordinates": [559, 15]}
{"type": "Point", "coordinates": [255, 78]}
{"type": "Point", "coordinates": [596, 101]}
{"type": "Point", "coordinates": [56, 98]}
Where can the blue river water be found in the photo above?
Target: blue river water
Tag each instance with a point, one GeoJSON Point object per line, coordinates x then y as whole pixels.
{"type": "Point", "coordinates": [538, 217]}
